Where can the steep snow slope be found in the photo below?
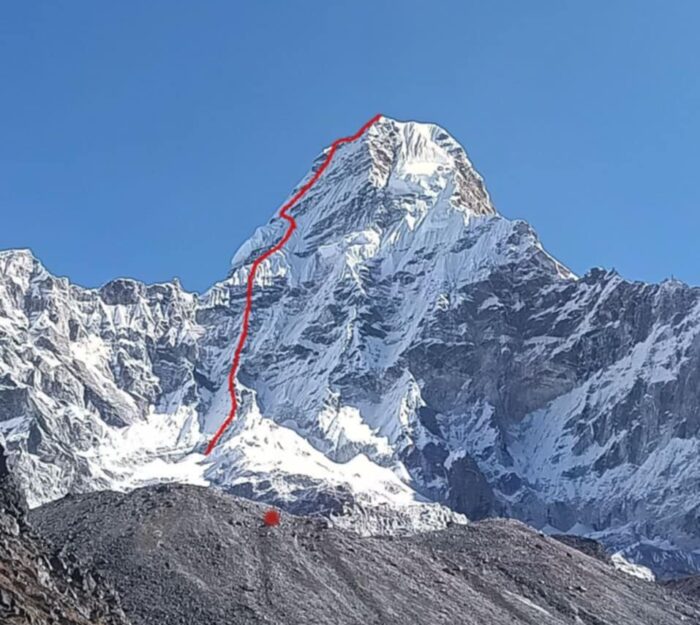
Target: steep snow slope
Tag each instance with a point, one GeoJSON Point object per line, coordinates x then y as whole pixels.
{"type": "Point", "coordinates": [413, 355]}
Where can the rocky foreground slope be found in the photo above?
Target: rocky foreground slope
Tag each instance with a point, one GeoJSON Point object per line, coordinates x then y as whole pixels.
{"type": "Point", "coordinates": [186, 555]}
{"type": "Point", "coordinates": [414, 356]}
{"type": "Point", "coordinates": [689, 586]}
{"type": "Point", "coordinates": [40, 585]}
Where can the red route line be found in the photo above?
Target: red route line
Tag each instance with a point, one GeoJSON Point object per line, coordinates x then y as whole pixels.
{"type": "Point", "coordinates": [258, 261]}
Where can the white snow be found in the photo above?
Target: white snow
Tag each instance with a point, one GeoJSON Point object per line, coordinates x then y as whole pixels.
{"type": "Point", "coordinates": [635, 570]}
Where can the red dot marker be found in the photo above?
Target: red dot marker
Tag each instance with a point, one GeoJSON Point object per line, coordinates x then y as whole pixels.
{"type": "Point", "coordinates": [271, 518]}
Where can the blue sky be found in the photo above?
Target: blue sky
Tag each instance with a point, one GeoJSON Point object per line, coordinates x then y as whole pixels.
{"type": "Point", "coordinates": [150, 139]}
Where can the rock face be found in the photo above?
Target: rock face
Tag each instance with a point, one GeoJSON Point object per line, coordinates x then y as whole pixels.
{"type": "Point", "coordinates": [414, 356]}
{"type": "Point", "coordinates": [588, 546]}
{"type": "Point", "coordinates": [41, 586]}
{"type": "Point", "coordinates": [689, 586]}
{"type": "Point", "coordinates": [184, 554]}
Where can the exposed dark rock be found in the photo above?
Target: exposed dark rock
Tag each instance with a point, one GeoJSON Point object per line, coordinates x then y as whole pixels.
{"type": "Point", "coordinates": [689, 586]}
{"type": "Point", "coordinates": [585, 545]}
{"type": "Point", "coordinates": [40, 585]}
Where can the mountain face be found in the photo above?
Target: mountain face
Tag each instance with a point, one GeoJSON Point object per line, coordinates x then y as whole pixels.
{"type": "Point", "coordinates": [414, 358]}
{"type": "Point", "coordinates": [39, 585]}
{"type": "Point", "coordinates": [181, 554]}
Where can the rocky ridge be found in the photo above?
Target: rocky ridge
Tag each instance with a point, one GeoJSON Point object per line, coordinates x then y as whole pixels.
{"type": "Point", "coordinates": [182, 554]}
{"type": "Point", "coordinates": [40, 585]}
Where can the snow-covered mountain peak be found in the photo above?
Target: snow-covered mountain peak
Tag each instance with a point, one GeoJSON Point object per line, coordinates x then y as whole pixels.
{"type": "Point", "coordinates": [18, 268]}
{"type": "Point", "coordinates": [402, 184]}
{"type": "Point", "coordinates": [424, 159]}
{"type": "Point", "coordinates": [19, 263]}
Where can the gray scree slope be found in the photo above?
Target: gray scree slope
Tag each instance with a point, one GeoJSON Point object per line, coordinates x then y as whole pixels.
{"type": "Point", "coordinates": [183, 554]}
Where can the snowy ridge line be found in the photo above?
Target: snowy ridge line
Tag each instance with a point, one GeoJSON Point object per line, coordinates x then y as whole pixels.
{"type": "Point", "coordinates": [261, 259]}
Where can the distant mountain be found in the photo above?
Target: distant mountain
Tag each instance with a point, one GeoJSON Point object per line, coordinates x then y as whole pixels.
{"type": "Point", "coordinates": [414, 357]}
{"type": "Point", "coordinates": [180, 555]}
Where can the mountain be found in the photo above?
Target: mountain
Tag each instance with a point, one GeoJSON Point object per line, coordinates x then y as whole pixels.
{"type": "Point", "coordinates": [39, 584]}
{"type": "Point", "coordinates": [414, 358]}
{"type": "Point", "coordinates": [182, 554]}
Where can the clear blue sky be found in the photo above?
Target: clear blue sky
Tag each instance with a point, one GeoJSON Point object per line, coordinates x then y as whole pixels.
{"type": "Point", "coordinates": [149, 139]}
